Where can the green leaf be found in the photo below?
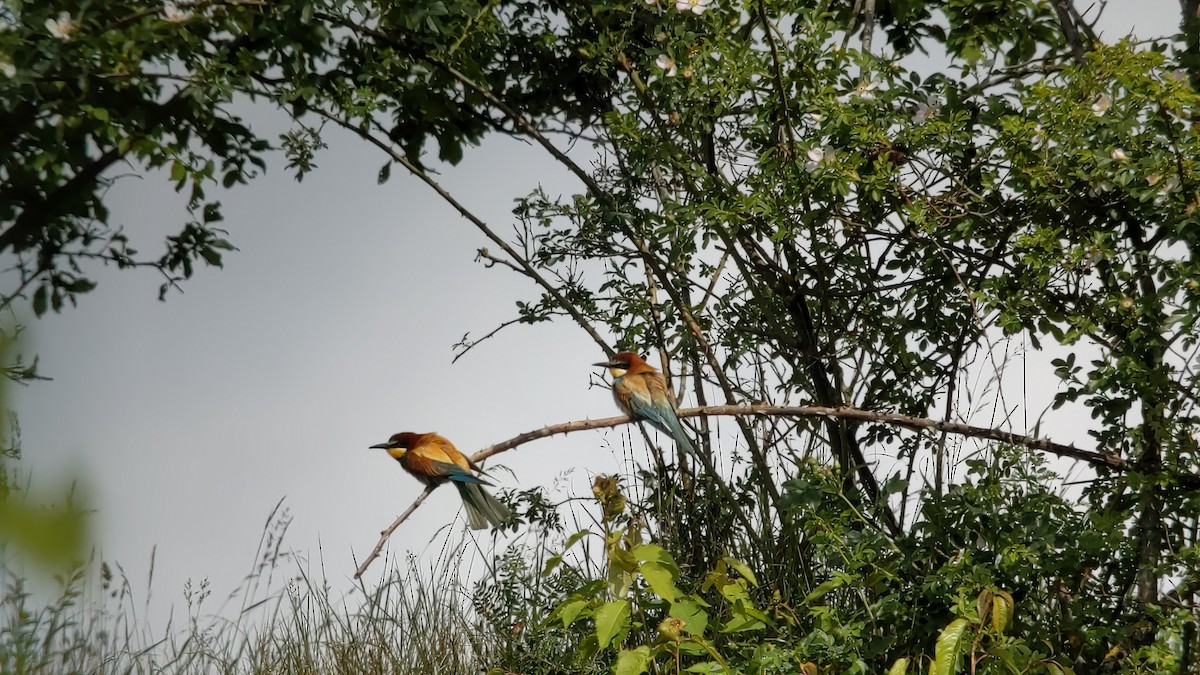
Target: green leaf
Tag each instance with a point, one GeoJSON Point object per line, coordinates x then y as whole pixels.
{"type": "Point", "coordinates": [741, 623]}
{"type": "Point", "coordinates": [47, 535]}
{"type": "Point", "coordinates": [551, 563]}
{"type": "Point", "coordinates": [211, 257]}
{"type": "Point", "coordinates": [1002, 610]}
{"type": "Point", "coordinates": [742, 569]}
{"type": "Point", "coordinates": [949, 646]}
{"type": "Point", "coordinates": [653, 552]}
{"type": "Point", "coordinates": [695, 619]}
{"type": "Point", "coordinates": [569, 611]}
{"type": "Point", "coordinates": [900, 667]}
{"type": "Point", "coordinates": [824, 588]}
{"type": "Point", "coordinates": [622, 559]}
{"type": "Point", "coordinates": [660, 579]}
{"type": "Point", "coordinates": [611, 620]}
{"type": "Point", "coordinates": [39, 300]}
{"type": "Point", "coordinates": [574, 539]}
{"type": "Point", "coordinates": [706, 667]}
{"type": "Point", "coordinates": [632, 661]}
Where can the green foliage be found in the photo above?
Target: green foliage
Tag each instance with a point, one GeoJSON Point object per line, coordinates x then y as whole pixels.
{"type": "Point", "coordinates": [121, 85]}
{"type": "Point", "coordinates": [50, 536]}
{"type": "Point", "coordinates": [780, 204]}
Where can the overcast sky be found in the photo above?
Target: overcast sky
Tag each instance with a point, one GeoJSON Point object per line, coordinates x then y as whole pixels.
{"type": "Point", "coordinates": [329, 329]}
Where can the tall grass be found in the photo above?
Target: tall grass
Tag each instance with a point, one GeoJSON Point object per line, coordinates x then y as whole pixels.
{"type": "Point", "coordinates": [419, 618]}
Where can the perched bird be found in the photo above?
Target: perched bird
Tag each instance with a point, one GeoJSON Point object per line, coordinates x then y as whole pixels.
{"type": "Point", "coordinates": [433, 460]}
{"type": "Point", "coordinates": [641, 392]}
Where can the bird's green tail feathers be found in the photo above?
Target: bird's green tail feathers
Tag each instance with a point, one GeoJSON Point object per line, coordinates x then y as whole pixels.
{"type": "Point", "coordinates": [681, 435]}
{"type": "Point", "coordinates": [482, 507]}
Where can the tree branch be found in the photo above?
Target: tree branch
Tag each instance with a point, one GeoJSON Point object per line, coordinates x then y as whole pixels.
{"type": "Point", "coordinates": [383, 536]}
{"type": "Point", "coordinates": [1063, 9]}
{"type": "Point", "coordinates": [1096, 458]}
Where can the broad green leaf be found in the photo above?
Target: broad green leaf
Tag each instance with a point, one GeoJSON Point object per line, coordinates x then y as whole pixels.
{"type": "Point", "coordinates": [51, 537]}
{"type": "Point", "coordinates": [611, 619]}
{"type": "Point", "coordinates": [569, 611]}
{"type": "Point", "coordinates": [621, 559]}
{"type": "Point", "coordinates": [706, 667]}
{"type": "Point", "coordinates": [742, 569]}
{"type": "Point", "coordinates": [900, 667]}
{"type": "Point", "coordinates": [949, 646]}
{"type": "Point", "coordinates": [1002, 610]}
{"type": "Point", "coordinates": [556, 560]}
{"type": "Point", "coordinates": [551, 564]}
{"type": "Point", "coordinates": [575, 539]}
{"type": "Point", "coordinates": [632, 661]}
{"type": "Point", "coordinates": [739, 624]}
{"type": "Point", "coordinates": [694, 618]}
{"type": "Point", "coordinates": [983, 604]}
{"type": "Point", "coordinates": [744, 618]}
{"type": "Point", "coordinates": [620, 582]}
{"type": "Point", "coordinates": [661, 580]}
{"type": "Point", "coordinates": [733, 591]}
{"type": "Point", "coordinates": [824, 588]}
{"type": "Point", "coordinates": [655, 553]}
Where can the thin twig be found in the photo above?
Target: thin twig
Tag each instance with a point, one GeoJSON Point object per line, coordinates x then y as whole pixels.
{"type": "Point", "coordinates": [383, 536]}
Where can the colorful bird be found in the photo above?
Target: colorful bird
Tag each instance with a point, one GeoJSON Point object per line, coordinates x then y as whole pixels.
{"type": "Point", "coordinates": [641, 392]}
{"type": "Point", "coordinates": [433, 460]}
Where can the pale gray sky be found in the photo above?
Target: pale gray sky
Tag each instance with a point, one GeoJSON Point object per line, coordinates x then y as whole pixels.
{"type": "Point", "coordinates": [331, 328]}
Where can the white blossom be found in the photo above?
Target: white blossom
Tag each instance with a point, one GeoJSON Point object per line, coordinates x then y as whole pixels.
{"type": "Point", "coordinates": [817, 157]}
{"type": "Point", "coordinates": [62, 27]}
{"type": "Point", "coordinates": [1039, 136]}
{"type": "Point", "coordinates": [1101, 105]}
{"type": "Point", "coordinates": [667, 64]}
{"type": "Point", "coordinates": [693, 6]}
{"type": "Point", "coordinates": [814, 117]}
{"type": "Point", "coordinates": [175, 14]}
{"type": "Point", "coordinates": [1171, 184]}
{"type": "Point", "coordinates": [7, 68]}
{"type": "Point", "coordinates": [864, 90]}
{"type": "Point", "coordinates": [926, 110]}
{"type": "Point", "coordinates": [1118, 155]}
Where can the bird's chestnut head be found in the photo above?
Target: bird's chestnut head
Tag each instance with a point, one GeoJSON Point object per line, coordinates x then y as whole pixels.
{"type": "Point", "coordinates": [621, 363]}
{"type": "Point", "coordinates": [399, 443]}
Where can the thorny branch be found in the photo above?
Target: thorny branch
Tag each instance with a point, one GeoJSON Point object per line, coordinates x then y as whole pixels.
{"type": "Point", "coordinates": [1095, 458]}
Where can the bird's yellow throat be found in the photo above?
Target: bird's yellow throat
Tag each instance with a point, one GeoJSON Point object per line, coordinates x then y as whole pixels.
{"type": "Point", "coordinates": [617, 372]}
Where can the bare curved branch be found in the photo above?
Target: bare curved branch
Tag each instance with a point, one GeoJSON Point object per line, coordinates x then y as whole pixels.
{"type": "Point", "coordinates": [1097, 458]}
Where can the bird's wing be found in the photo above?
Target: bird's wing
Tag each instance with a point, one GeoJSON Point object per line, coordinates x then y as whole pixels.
{"type": "Point", "coordinates": [439, 449]}
{"type": "Point", "coordinates": [437, 456]}
{"type": "Point", "coordinates": [660, 411]}
{"type": "Point", "coordinates": [649, 401]}
{"type": "Point", "coordinates": [656, 389]}
{"type": "Point", "coordinates": [437, 469]}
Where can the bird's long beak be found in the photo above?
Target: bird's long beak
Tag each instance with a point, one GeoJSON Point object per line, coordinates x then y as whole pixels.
{"type": "Point", "coordinates": [381, 446]}
{"type": "Point", "coordinates": [607, 364]}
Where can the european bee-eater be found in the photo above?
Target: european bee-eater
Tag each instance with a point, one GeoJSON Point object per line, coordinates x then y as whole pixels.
{"type": "Point", "coordinates": [641, 392]}
{"type": "Point", "coordinates": [433, 460]}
